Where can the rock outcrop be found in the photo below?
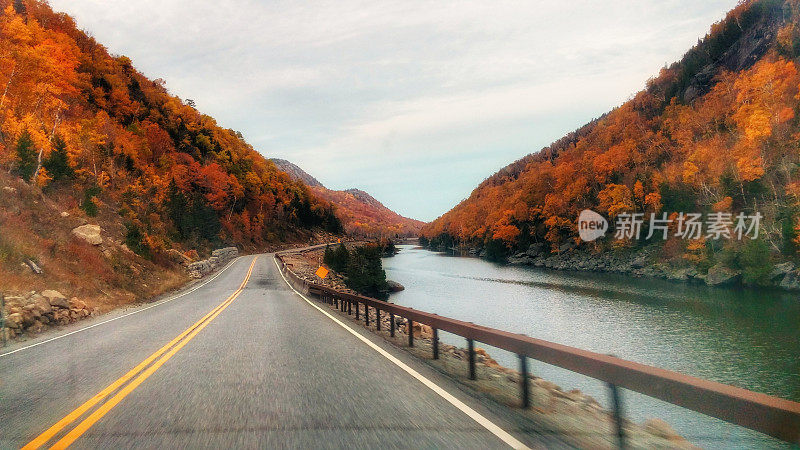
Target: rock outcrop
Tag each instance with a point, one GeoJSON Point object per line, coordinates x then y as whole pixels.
{"type": "Point", "coordinates": [88, 233]}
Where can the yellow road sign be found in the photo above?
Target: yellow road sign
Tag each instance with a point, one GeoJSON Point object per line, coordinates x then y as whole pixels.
{"type": "Point", "coordinates": [322, 272]}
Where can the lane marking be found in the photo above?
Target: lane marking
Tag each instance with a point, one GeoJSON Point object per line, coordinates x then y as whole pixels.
{"type": "Point", "coordinates": [474, 415]}
{"type": "Point", "coordinates": [124, 315]}
{"type": "Point", "coordinates": [180, 340]}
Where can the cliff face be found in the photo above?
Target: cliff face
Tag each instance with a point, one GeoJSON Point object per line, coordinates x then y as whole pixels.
{"type": "Point", "coordinates": [361, 214]}
{"type": "Point", "coordinates": [714, 133]}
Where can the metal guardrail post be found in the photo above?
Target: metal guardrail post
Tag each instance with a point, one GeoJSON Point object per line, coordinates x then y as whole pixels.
{"type": "Point", "coordinates": [410, 333]}
{"type": "Point", "coordinates": [366, 314]}
{"type": "Point", "coordinates": [435, 343]}
{"type": "Point", "coordinates": [525, 388]}
{"type": "Point", "coordinates": [616, 400]}
{"type": "Point", "coordinates": [3, 318]}
{"type": "Point", "coordinates": [349, 307]}
{"type": "Point", "coordinates": [471, 358]}
{"type": "Point", "coordinates": [357, 311]}
{"type": "Point", "coordinates": [377, 319]}
{"type": "Point", "coordinates": [391, 324]}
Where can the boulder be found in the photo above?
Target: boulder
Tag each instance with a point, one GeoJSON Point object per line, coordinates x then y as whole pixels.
{"type": "Point", "coordinates": [394, 286]}
{"type": "Point", "coordinates": [14, 320]}
{"type": "Point", "coordinates": [28, 317]}
{"type": "Point", "coordinates": [780, 270]}
{"type": "Point", "coordinates": [720, 275]}
{"type": "Point", "coordinates": [88, 233]}
{"type": "Point", "coordinates": [422, 331]}
{"type": "Point", "coordinates": [56, 298]}
{"type": "Point", "coordinates": [75, 303]}
{"type": "Point", "coordinates": [41, 303]}
{"type": "Point", "coordinates": [791, 280]}
{"type": "Point", "coordinates": [32, 310]}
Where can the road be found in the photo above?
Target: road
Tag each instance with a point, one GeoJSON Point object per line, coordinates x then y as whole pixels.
{"type": "Point", "coordinates": [239, 361]}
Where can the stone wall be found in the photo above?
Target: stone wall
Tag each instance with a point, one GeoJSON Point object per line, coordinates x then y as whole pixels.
{"type": "Point", "coordinates": [218, 257]}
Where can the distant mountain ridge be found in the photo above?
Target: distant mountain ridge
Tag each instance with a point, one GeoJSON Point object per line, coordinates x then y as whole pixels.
{"type": "Point", "coordinates": [360, 213]}
{"type": "Point", "coordinates": [296, 172]}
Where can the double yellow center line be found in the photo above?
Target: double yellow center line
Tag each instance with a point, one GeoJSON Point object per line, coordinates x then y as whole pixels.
{"type": "Point", "coordinates": [138, 374]}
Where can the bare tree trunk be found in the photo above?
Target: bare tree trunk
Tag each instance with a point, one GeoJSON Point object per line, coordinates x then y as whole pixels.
{"type": "Point", "coordinates": [56, 120]}
{"type": "Point", "coordinates": [5, 91]}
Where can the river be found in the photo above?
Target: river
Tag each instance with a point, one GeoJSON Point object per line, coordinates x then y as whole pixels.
{"type": "Point", "coordinates": [746, 338]}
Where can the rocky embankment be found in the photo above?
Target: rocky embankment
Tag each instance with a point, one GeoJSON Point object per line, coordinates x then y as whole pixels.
{"type": "Point", "coordinates": [35, 312]}
{"type": "Point", "coordinates": [645, 262]}
{"type": "Point", "coordinates": [38, 311]}
{"type": "Point", "coordinates": [571, 415]}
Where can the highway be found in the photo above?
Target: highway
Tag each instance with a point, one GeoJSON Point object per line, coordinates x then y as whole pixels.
{"type": "Point", "coordinates": [239, 360]}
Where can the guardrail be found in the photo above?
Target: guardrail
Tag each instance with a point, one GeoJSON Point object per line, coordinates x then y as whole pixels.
{"type": "Point", "coordinates": [773, 416]}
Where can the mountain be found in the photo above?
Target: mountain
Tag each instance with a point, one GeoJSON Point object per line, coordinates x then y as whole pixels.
{"type": "Point", "coordinates": [361, 214]}
{"type": "Point", "coordinates": [713, 132]}
{"type": "Point", "coordinates": [295, 172]}
{"type": "Point", "coordinates": [85, 139]}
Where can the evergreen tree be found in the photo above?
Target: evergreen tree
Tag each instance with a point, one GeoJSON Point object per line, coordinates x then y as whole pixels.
{"type": "Point", "coordinates": [329, 257]}
{"type": "Point", "coordinates": [177, 207]}
{"type": "Point", "coordinates": [341, 257]}
{"type": "Point", "coordinates": [57, 164]}
{"type": "Point", "coordinates": [365, 272]}
{"type": "Point", "coordinates": [26, 155]}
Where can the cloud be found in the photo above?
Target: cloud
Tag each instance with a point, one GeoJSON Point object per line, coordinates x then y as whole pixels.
{"type": "Point", "coordinates": [404, 97]}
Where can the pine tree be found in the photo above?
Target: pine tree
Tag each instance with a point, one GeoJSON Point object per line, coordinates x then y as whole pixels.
{"type": "Point", "coordinates": [26, 155]}
{"type": "Point", "coordinates": [341, 258]}
{"type": "Point", "coordinates": [57, 164]}
{"type": "Point", "coordinates": [329, 257]}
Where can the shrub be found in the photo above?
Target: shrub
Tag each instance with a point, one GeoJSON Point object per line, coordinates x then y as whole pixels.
{"type": "Point", "coordinates": [755, 262]}
{"type": "Point", "coordinates": [134, 239]}
{"type": "Point", "coordinates": [88, 205]}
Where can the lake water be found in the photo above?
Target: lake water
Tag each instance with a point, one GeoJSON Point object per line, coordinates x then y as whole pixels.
{"type": "Point", "coordinates": [745, 338]}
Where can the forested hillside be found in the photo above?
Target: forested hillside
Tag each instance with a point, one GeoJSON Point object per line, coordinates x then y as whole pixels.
{"type": "Point", "coordinates": [87, 139]}
{"type": "Point", "coordinates": [361, 214]}
{"type": "Point", "coordinates": [715, 132]}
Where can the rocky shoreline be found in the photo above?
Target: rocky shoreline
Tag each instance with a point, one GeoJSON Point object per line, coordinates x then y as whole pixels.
{"type": "Point", "coordinates": [644, 262]}
{"type": "Point", "coordinates": [571, 416]}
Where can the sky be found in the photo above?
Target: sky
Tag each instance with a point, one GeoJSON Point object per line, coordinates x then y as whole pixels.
{"type": "Point", "coordinates": [414, 102]}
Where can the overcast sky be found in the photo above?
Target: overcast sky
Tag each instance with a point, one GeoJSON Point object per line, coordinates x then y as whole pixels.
{"type": "Point", "coordinates": [414, 102]}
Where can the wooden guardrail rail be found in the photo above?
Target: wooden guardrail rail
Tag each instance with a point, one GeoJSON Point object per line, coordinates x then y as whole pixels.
{"type": "Point", "coordinates": [774, 416]}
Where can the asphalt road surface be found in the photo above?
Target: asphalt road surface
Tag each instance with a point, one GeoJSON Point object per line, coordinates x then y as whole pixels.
{"type": "Point", "coordinates": [238, 361]}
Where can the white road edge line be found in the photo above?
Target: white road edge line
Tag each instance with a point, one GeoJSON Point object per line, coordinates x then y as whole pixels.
{"type": "Point", "coordinates": [124, 315]}
{"type": "Point", "coordinates": [476, 416]}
